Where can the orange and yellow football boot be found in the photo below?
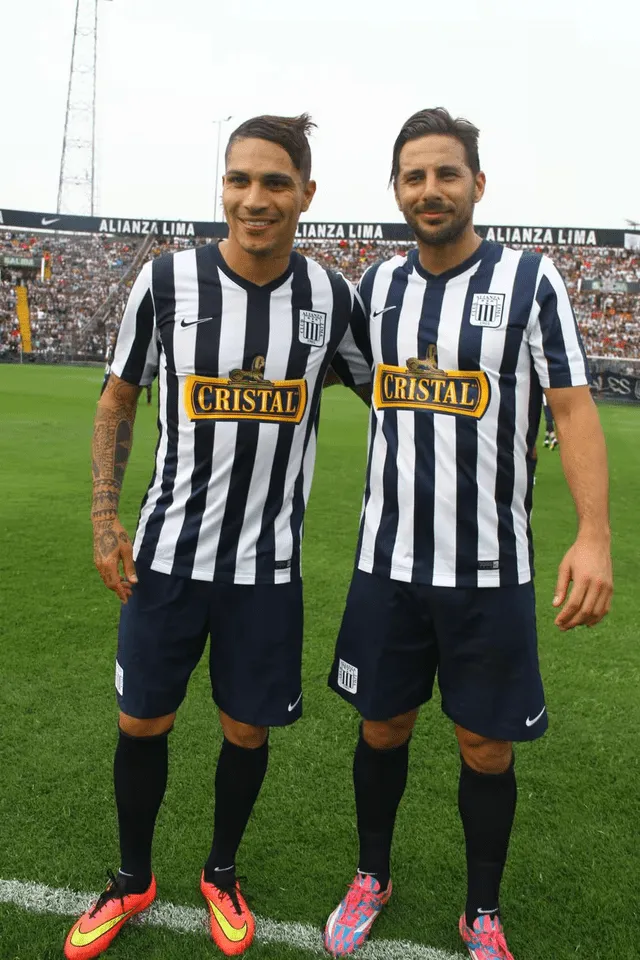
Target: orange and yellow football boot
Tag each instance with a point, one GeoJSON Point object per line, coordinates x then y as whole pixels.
{"type": "Point", "coordinates": [102, 922]}
{"type": "Point", "coordinates": [231, 922]}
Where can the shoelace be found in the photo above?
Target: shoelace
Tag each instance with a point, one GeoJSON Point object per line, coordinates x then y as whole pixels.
{"type": "Point", "coordinates": [357, 897]}
{"type": "Point", "coordinates": [496, 940]}
{"type": "Point", "coordinates": [112, 890]}
{"type": "Point", "coordinates": [231, 890]}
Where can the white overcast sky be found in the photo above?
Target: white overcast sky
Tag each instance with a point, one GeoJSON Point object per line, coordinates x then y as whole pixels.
{"type": "Point", "coordinates": [553, 86]}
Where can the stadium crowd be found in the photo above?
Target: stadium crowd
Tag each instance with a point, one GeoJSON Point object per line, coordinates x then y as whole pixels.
{"type": "Point", "coordinates": [82, 270]}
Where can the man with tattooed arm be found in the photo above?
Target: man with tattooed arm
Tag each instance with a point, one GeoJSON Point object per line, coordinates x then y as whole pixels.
{"type": "Point", "coordinates": [241, 336]}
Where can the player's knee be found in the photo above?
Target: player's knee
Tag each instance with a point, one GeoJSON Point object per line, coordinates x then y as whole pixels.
{"type": "Point", "coordinates": [243, 734]}
{"type": "Point", "coordinates": [387, 734]}
{"type": "Point", "coordinates": [482, 754]}
{"type": "Point", "coordinates": [134, 727]}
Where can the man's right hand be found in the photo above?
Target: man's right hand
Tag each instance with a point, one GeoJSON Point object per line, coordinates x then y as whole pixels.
{"type": "Point", "coordinates": [112, 547]}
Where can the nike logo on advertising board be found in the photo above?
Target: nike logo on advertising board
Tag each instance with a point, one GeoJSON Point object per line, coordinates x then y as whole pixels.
{"type": "Point", "coordinates": [47, 221]}
{"type": "Point", "coordinates": [530, 723]}
{"type": "Point", "coordinates": [192, 323]}
{"type": "Point", "coordinates": [384, 310]}
{"type": "Point", "coordinates": [292, 706]}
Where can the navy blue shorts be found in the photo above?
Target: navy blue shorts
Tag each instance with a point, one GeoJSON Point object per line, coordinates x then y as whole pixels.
{"type": "Point", "coordinates": [481, 642]}
{"type": "Point", "coordinates": [255, 653]}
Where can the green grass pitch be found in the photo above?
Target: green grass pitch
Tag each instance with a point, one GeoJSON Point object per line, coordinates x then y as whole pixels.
{"type": "Point", "coordinates": [572, 882]}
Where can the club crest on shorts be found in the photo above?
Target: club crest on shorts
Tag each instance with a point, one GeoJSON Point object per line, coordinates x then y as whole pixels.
{"type": "Point", "coordinates": [347, 676]}
{"type": "Point", "coordinates": [311, 327]}
{"type": "Point", "coordinates": [486, 310]}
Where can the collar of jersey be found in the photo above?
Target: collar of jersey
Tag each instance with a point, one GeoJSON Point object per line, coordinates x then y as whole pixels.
{"type": "Point", "coordinates": [222, 264]}
{"type": "Point", "coordinates": [414, 259]}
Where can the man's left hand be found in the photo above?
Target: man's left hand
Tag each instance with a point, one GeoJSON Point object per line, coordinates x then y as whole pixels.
{"type": "Point", "coordinates": [588, 565]}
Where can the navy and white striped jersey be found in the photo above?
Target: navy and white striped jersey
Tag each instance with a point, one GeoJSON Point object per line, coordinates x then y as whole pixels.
{"type": "Point", "coordinates": [240, 371]}
{"type": "Point", "coordinates": [460, 361]}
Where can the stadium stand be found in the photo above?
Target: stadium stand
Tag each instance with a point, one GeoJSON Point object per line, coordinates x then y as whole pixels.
{"type": "Point", "coordinates": [75, 312]}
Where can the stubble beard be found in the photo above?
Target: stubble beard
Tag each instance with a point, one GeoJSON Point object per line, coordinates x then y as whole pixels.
{"type": "Point", "coordinates": [445, 235]}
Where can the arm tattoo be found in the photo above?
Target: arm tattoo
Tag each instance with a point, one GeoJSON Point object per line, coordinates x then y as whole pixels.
{"type": "Point", "coordinates": [107, 543]}
{"type": "Point", "coordinates": [112, 441]}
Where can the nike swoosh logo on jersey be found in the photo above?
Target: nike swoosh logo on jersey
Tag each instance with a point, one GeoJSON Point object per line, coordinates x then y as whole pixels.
{"type": "Point", "coordinates": [384, 310]}
{"type": "Point", "coordinates": [80, 938]}
{"type": "Point", "coordinates": [530, 723]}
{"type": "Point", "coordinates": [230, 932]}
{"type": "Point", "coordinates": [292, 706]}
{"type": "Point", "coordinates": [192, 323]}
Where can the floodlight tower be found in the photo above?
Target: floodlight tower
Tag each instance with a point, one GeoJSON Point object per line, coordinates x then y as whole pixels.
{"type": "Point", "coordinates": [76, 185]}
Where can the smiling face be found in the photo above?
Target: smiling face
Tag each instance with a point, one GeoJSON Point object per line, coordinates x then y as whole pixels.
{"type": "Point", "coordinates": [263, 197]}
{"type": "Point", "coordinates": [436, 190]}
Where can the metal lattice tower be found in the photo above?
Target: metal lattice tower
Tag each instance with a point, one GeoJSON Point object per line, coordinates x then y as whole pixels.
{"type": "Point", "coordinates": [76, 187]}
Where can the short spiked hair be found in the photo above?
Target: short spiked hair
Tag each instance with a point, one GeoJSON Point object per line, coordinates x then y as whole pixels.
{"type": "Point", "coordinates": [291, 133]}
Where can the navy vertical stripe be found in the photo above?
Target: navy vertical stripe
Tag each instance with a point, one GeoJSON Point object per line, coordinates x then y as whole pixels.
{"type": "Point", "coordinates": [340, 315]}
{"type": "Point", "coordinates": [301, 299]}
{"type": "Point", "coordinates": [523, 294]}
{"type": "Point", "coordinates": [163, 288]}
{"type": "Point", "coordinates": [387, 531]}
{"type": "Point", "coordinates": [207, 349]}
{"type": "Point", "coordinates": [552, 337]}
{"type": "Point", "coordinates": [133, 369]}
{"type": "Point", "coordinates": [256, 343]}
{"type": "Point", "coordinates": [469, 353]}
{"type": "Point", "coordinates": [365, 288]}
{"type": "Point", "coordinates": [424, 434]}
{"type": "Point", "coordinates": [535, 403]}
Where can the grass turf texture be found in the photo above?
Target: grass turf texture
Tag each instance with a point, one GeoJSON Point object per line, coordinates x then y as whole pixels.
{"type": "Point", "coordinates": [573, 876]}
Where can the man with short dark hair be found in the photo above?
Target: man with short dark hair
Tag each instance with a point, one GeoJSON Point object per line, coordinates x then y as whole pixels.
{"type": "Point", "coordinates": [241, 335]}
{"type": "Point", "coordinates": [465, 336]}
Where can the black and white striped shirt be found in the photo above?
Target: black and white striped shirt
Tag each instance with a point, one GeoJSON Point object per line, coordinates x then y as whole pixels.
{"type": "Point", "coordinates": [240, 371]}
{"type": "Point", "coordinates": [460, 361]}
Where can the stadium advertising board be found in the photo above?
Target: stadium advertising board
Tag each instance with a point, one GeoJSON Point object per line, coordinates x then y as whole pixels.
{"type": "Point", "coordinates": [611, 384]}
{"type": "Point", "coordinates": [555, 236]}
{"type": "Point", "coordinates": [23, 262]}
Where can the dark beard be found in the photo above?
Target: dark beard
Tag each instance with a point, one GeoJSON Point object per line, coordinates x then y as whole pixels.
{"type": "Point", "coordinates": [443, 236]}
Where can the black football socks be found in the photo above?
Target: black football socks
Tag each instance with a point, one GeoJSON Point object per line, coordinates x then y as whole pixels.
{"type": "Point", "coordinates": [140, 778]}
{"type": "Point", "coordinates": [379, 779]}
{"type": "Point", "coordinates": [487, 804]}
{"type": "Point", "coordinates": [239, 777]}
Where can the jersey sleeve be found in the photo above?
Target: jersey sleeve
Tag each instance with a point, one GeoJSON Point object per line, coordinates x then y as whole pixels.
{"type": "Point", "coordinates": [352, 360]}
{"type": "Point", "coordinates": [136, 354]}
{"type": "Point", "coordinates": [554, 339]}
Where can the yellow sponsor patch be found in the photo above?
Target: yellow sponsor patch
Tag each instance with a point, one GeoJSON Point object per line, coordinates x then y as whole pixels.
{"type": "Point", "coordinates": [421, 386]}
{"type": "Point", "coordinates": [245, 395]}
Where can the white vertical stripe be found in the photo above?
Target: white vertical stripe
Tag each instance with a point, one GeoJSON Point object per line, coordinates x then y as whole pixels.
{"type": "Point", "coordinates": [184, 346]}
{"type": "Point", "coordinates": [570, 335]}
{"type": "Point", "coordinates": [407, 345]}
{"type": "Point", "coordinates": [278, 349]}
{"type": "Point", "coordinates": [156, 488]}
{"type": "Point", "coordinates": [518, 512]}
{"type": "Point", "coordinates": [491, 356]}
{"type": "Point", "coordinates": [373, 507]}
{"type": "Point", "coordinates": [283, 576]}
{"type": "Point", "coordinates": [127, 330]}
{"type": "Point", "coordinates": [445, 447]}
{"type": "Point", "coordinates": [232, 337]}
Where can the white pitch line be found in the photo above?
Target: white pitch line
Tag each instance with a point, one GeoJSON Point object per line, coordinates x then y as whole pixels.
{"type": "Point", "coordinates": [38, 898]}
